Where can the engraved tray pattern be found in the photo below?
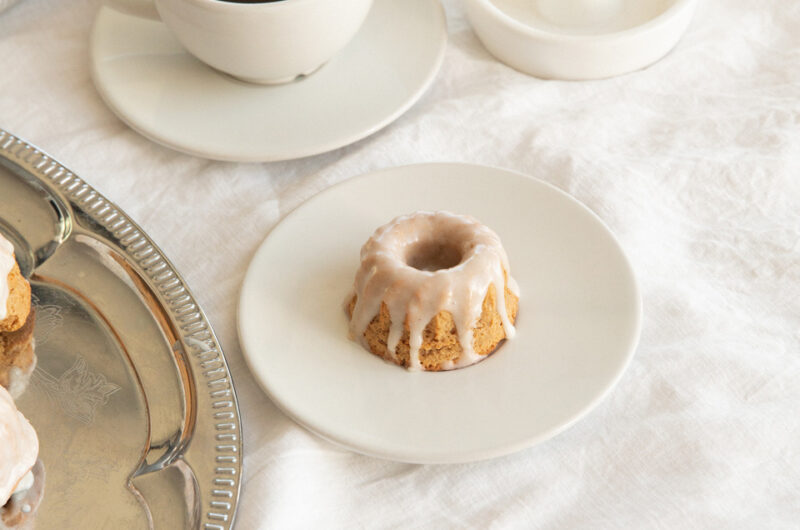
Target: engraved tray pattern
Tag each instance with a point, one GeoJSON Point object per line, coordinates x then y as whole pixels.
{"type": "Point", "coordinates": [131, 382]}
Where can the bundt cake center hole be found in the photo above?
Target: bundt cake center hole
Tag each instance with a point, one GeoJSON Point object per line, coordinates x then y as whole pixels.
{"type": "Point", "coordinates": [433, 255]}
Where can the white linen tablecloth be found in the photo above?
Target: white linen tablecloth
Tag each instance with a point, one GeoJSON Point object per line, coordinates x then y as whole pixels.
{"type": "Point", "coordinates": [694, 163]}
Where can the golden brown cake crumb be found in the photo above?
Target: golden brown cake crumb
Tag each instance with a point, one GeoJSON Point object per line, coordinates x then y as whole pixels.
{"type": "Point", "coordinates": [18, 304]}
{"type": "Point", "coordinates": [440, 338]}
{"type": "Point", "coordinates": [16, 349]}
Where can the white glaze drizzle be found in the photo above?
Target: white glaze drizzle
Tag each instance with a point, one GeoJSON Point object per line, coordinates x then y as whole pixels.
{"type": "Point", "coordinates": [25, 483]}
{"type": "Point", "coordinates": [416, 296]}
{"type": "Point", "coordinates": [6, 264]}
{"type": "Point", "coordinates": [18, 378]}
{"type": "Point", "coordinates": [19, 446]}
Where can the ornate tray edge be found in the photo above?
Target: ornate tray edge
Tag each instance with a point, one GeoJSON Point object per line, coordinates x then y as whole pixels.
{"type": "Point", "coordinates": [208, 362]}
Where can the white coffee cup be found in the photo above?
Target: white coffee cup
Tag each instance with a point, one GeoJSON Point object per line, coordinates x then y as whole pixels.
{"type": "Point", "coordinates": [266, 42]}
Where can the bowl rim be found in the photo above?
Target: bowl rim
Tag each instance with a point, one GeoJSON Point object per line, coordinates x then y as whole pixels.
{"type": "Point", "coordinates": [263, 5]}
{"type": "Point", "coordinates": [670, 13]}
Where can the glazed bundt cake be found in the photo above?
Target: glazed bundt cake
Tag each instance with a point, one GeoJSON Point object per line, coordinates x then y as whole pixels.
{"type": "Point", "coordinates": [433, 292]}
{"type": "Point", "coordinates": [21, 473]}
{"type": "Point", "coordinates": [17, 358]}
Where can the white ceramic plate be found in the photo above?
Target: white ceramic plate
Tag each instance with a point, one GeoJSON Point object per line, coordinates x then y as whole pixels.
{"type": "Point", "coordinates": [578, 323]}
{"type": "Point", "coordinates": [151, 83]}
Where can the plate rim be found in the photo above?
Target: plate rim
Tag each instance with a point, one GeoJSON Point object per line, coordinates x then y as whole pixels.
{"type": "Point", "coordinates": [83, 198]}
{"type": "Point", "coordinates": [225, 156]}
{"type": "Point", "coordinates": [430, 458]}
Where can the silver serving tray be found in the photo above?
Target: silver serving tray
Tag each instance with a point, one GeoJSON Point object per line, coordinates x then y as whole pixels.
{"type": "Point", "coordinates": [132, 399]}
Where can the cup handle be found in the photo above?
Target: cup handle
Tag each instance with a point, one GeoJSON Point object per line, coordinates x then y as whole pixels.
{"type": "Point", "coordinates": [139, 8]}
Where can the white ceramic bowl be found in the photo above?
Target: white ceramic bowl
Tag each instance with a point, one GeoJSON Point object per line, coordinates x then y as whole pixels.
{"type": "Point", "coordinates": [579, 39]}
{"type": "Point", "coordinates": [270, 42]}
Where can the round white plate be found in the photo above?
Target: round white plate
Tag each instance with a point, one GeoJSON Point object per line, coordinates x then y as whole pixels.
{"type": "Point", "coordinates": [578, 323]}
{"type": "Point", "coordinates": [148, 79]}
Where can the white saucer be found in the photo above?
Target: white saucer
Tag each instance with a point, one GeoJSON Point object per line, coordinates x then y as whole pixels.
{"type": "Point", "coordinates": [578, 324]}
{"type": "Point", "coordinates": [167, 95]}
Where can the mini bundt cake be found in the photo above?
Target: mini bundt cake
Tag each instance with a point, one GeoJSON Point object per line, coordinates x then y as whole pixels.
{"type": "Point", "coordinates": [15, 291]}
{"type": "Point", "coordinates": [21, 472]}
{"type": "Point", "coordinates": [426, 292]}
{"type": "Point", "coordinates": [17, 358]}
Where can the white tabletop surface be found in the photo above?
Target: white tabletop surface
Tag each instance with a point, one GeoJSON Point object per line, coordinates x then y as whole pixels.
{"type": "Point", "coordinates": [694, 163]}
